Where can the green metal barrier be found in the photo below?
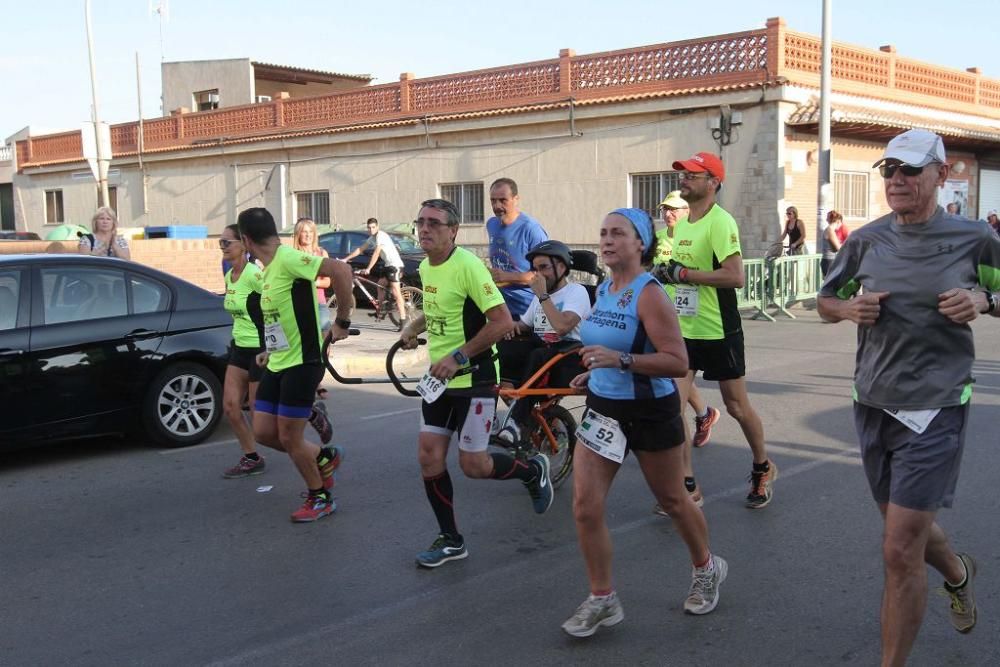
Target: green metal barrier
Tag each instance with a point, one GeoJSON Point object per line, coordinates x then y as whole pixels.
{"type": "Point", "coordinates": [753, 294]}
{"type": "Point", "coordinates": [779, 283]}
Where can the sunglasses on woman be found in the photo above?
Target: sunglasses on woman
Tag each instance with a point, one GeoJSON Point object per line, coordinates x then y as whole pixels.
{"type": "Point", "coordinates": [224, 243]}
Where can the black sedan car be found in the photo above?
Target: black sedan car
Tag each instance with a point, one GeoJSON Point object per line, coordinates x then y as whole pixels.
{"type": "Point", "coordinates": [341, 243]}
{"type": "Point", "coordinates": [92, 346]}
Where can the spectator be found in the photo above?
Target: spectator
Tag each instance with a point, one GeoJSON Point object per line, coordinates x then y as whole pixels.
{"type": "Point", "coordinates": [834, 236]}
{"type": "Point", "coordinates": [795, 230]}
{"type": "Point", "coordinates": [104, 239]}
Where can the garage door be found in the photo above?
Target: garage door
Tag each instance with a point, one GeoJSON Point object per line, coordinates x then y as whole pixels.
{"type": "Point", "coordinates": [989, 191]}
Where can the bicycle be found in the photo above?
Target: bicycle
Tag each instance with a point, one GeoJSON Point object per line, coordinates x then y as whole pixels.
{"type": "Point", "coordinates": [551, 429]}
{"type": "Point", "coordinates": [413, 300]}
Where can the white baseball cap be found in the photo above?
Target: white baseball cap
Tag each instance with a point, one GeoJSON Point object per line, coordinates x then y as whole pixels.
{"type": "Point", "coordinates": [914, 147]}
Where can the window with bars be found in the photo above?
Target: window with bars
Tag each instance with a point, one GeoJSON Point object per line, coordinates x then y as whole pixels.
{"type": "Point", "coordinates": [648, 190]}
{"type": "Point", "coordinates": [313, 205]}
{"type": "Point", "coordinates": [850, 194]}
{"type": "Point", "coordinates": [468, 198]}
{"type": "Point", "coordinates": [54, 207]}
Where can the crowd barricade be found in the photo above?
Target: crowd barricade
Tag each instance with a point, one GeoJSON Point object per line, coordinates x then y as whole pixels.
{"type": "Point", "coordinates": [779, 283]}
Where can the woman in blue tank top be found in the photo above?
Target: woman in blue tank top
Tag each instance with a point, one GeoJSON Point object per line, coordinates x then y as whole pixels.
{"type": "Point", "coordinates": [632, 349]}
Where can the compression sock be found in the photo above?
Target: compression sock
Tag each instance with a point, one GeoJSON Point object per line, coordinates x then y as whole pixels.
{"type": "Point", "coordinates": [507, 467]}
{"type": "Point", "coordinates": [440, 494]}
{"type": "Point", "coordinates": [690, 484]}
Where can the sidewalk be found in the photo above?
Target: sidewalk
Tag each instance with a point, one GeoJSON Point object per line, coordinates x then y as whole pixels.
{"type": "Point", "coordinates": [364, 355]}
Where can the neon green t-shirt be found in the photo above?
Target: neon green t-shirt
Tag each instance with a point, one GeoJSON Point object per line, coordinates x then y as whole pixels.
{"type": "Point", "coordinates": [243, 303]}
{"type": "Point", "coordinates": [709, 313]}
{"type": "Point", "coordinates": [664, 250]}
{"type": "Point", "coordinates": [457, 293]}
{"type": "Point", "coordinates": [288, 301]}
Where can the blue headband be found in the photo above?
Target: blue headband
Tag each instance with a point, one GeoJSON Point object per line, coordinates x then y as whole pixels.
{"type": "Point", "coordinates": [641, 221]}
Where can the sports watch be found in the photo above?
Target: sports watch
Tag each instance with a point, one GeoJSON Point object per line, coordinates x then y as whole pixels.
{"type": "Point", "coordinates": [625, 361]}
{"type": "Point", "coordinates": [459, 358]}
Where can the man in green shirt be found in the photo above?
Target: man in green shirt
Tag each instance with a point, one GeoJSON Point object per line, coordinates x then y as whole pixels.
{"type": "Point", "coordinates": [464, 315]}
{"type": "Point", "coordinates": [707, 268]}
{"type": "Point", "coordinates": [293, 344]}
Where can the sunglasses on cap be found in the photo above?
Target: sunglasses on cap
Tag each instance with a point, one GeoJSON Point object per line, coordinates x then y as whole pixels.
{"type": "Point", "coordinates": [889, 170]}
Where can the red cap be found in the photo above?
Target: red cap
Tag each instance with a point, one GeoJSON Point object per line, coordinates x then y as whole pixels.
{"type": "Point", "coordinates": [703, 162]}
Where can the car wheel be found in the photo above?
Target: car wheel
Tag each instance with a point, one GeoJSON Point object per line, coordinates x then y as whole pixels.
{"type": "Point", "coordinates": [182, 406]}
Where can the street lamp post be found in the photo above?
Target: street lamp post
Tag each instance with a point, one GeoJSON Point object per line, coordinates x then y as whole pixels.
{"type": "Point", "coordinates": [102, 160]}
{"type": "Point", "coordinates": [825, 158]}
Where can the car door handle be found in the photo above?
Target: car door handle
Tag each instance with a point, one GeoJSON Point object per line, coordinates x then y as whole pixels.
{"type": "Point", "coordinates": [8, 352]}
{"type": "Point", "coordinates": [141, 334]}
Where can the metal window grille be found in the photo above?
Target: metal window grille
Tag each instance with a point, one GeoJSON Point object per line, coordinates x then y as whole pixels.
{"type": "Point", "coordinates": [648, 190]}
{"type": "Point", "coordinates": [53, 207]}
{"type": "Point", "coordinates": [850, 194]}
{"type": "Point", "coordinates": [313, 205]}
{"type": "Point", "coordinates": [468, 198]}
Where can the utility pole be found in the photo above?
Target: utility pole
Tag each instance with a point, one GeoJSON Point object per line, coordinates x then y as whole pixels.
{"type": "Point", "coordinates": [823, 202]}
{"type": "Point", "coordinates": [102, 160]}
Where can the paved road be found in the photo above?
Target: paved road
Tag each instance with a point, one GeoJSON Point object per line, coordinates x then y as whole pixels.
{"type": "Point", "coordinates": [113, 553]}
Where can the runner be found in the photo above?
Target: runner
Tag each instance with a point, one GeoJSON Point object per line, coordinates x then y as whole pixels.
{"type": "Point", "coordinates": [925, 274]}
{"type": "Point", "coordinates": [292, 356]}
{"type": "Point", "coordinates": [464, 315]}
{"type": "Point", "coordinates": [707, 267]}
{"type": "Point", "coordinates": [243, 285]}
{"type": "Point", "coordinates": [633, 347]}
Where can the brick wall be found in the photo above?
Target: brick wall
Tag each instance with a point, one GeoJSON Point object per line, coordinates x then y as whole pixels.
{"type": "Point", "coordinates": [197, 261]}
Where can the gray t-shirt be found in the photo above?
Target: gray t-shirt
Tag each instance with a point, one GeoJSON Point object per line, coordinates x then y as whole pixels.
{"type": "Point", "coordinates": [914, 357]}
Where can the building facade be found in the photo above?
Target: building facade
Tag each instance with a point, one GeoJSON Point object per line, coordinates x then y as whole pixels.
{"type": "Point", "coordinates": [581, 135]}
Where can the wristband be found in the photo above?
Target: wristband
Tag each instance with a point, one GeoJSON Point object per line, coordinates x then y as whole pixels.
{"type": "Point", "coordinates": [543, 298]}
{"type": "Point", "coordinates": [683, 275]}
{"type": "Point", "coordinates": [342, 323]}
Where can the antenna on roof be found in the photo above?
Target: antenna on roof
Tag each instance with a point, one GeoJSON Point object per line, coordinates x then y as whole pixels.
{"type": "Point", "coordinates": [162, 11]}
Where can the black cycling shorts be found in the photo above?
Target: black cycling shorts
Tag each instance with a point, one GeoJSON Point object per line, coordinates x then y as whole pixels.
{"type": "Point", "coordinates": [246, 358]}
{"type": "Point", "coordinates": [649, 424]}
{"type": "Point", "coordinates": [290, 392]}
{"type": "Point", "coordinates": [391, 273]}
{"type": "Point", "coordinates": [720, 360]}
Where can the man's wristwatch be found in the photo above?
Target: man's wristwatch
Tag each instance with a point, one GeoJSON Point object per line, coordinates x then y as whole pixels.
{"type": "Point", "coordinates": [544, 297]}
{"type": "Point", "coordinates": [342, 323]}
{"type": "Point", "coordinates": [459, 358]}
{"type": "Point", "coordinates": [625, 361]}
{"type": "Point", "coordinates": [991, 302]}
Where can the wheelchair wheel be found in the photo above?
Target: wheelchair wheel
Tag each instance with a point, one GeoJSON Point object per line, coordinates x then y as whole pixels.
{"type": "Point", "coordinates": [562, 424]}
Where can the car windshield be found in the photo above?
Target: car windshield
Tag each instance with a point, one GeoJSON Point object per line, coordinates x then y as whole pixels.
{"type": "Point", "coordinates": [406, 243]}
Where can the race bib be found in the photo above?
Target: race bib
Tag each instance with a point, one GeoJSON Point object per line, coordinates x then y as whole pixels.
{"type": "Point", "coordinates": [915, 420]}
{"type": "Point", "coordinates": [430, 388]}
{"type": "Point", "coordinates": [602, 435]}
{"type": "Point", "coordinates": [686, 300]}
{"type": "Point", "coordinates": [274, 337]}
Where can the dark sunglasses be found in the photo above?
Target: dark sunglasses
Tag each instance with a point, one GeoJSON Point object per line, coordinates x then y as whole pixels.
{"type": "Point", "coordinates": [889, 170]}
{"type": "Point", "coordinates": [224, 243]}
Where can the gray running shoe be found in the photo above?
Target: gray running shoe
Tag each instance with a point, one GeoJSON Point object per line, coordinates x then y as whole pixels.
{"type": "Point", "coordinates": [540, 488]}
{"type": "Point", "coordinates": [704, 594]}
{"type": "Point", "coordinates": [593, 613]}
{"type": "Point", "coordinates": [443, 549]}
{"type": "Point", "coordinates": [963, 598]}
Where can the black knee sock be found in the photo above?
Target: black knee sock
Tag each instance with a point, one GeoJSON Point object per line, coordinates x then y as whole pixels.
{"type": "Point", "coordinates": [440, 494]}
{"type": "Point", "coordinates": [690, 484]}
{"type": "Point", "coordinates": [507, 467]}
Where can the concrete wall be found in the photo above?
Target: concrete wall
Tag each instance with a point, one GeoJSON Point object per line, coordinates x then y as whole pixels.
{"type": "Point", "coordinates": [233, 79]}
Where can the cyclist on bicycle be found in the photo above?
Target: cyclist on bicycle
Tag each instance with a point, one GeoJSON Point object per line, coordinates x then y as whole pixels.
{"type": "Point", "coordinates": [382, 246]}
{"type": "Point", "coordinates": [552, 320]}
{"type": "Point", "coordinates": [464, 315]}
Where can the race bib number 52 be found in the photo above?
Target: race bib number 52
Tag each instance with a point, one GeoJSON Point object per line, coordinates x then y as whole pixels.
{"type": "Point", "coordinates": [602, 435]}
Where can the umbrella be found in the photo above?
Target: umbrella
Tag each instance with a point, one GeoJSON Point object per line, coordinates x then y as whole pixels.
{"type": "Point", "coordinates": [66, 232]}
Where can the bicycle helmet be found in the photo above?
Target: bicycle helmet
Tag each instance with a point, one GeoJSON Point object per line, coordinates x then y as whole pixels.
{"type": "Point", "coordinates": [551, 248]}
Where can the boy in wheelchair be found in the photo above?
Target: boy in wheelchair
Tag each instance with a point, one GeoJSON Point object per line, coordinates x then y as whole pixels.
{"type": "Point", "coordinates": [550, 325]}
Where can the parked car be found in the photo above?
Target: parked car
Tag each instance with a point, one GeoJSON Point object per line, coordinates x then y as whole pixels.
{"type": "Point", "coordinates": [93, 346]}
{"type": "Point", "coordinates": [340, 244]}
{"type": "Point", "coordinates": [9, 235]}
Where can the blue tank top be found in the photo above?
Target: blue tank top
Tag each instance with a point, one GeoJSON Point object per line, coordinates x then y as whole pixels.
{"type": "Point", "coordinates": [614, 323]}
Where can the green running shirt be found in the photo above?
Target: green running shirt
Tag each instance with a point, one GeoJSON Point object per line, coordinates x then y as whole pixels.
{"type": "Point", "coordinates": [288, 298]}
{"type": "Point", "coordinates": [457, 293]}
{"type": "Point", "coordinates": [703, 246]}
{"type": "Point", "coordinates": [664, 250]}
{"type": "Point", "coordinates": [243, 303]}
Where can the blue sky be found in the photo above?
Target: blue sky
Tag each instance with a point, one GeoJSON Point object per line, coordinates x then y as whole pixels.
{"type": "Point", "coordinates": [45, 72]}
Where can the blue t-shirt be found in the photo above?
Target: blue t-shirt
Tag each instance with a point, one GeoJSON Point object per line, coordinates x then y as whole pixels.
{"type": "Point", "coordinates": [614, 323]}
{"type": "Point", "coordinates": [508, 246]}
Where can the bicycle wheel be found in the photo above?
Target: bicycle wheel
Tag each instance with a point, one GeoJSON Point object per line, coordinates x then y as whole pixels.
{"type": "Point", "coordinates": [560, 451]}
{"type": "Point", "coordinates": [413, 303]}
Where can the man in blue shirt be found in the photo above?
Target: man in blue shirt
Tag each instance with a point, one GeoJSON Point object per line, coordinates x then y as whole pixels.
{"type": "Point", "coordinates": [512, 234]}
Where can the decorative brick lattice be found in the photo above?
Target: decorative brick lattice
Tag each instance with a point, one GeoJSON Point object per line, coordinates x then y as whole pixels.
{"type": "Point", "coordinates": [56, 147]}
{"type": "Point", "coordinates": [989, 93]}
{"type": "Point", "coordinates": [709, 58]}
{"type": "Point", "coordinates": [802, 53]}
{"type": "Point", "coordinates": [475, 88]}
{"type": "Point", "coordinates": [356, 105]}
{"type": "Point", "coordinates": [916, 77]}
{"type": "Point", "coordinates": [159, 132]}
{"type": "Point", "coordinates": [125, 138]}
{"type": "Point", "coordinates": [230, 122]}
